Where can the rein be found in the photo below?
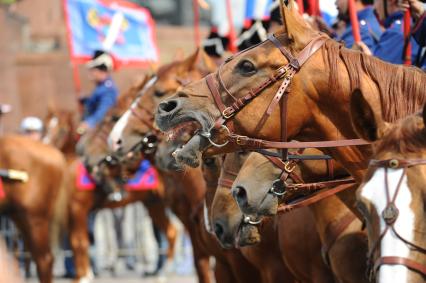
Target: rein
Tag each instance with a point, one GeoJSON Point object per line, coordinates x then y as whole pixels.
{"type": "Point", "coordinates": [390, 215]}
{"type": "Point", "coordinates": [301, 194]}
{"type": "Point", "coordinates": [284, 73]}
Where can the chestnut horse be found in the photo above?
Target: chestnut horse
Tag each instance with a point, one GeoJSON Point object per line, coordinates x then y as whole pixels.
{"type": "Point", "coordinates": [343, 243]}
{"type": "Point", "coordinates": [272, 246]}
{"type": "Point", "coordinates": [189, 191]}
{"type": "Point", "coordinates": [246, 89]}
{"type": "Point", "coordinates": [186, 190]}
{"type": "Point", "coordinates": [59, 131]}
{"type": "Point", "coordinates": [392, 197]}
{"type": "Point", "coordinates": [37, 206]}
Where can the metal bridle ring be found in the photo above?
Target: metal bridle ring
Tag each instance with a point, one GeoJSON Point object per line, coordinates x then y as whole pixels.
{"type": "Point", "coordinates": [272, 190]}
{"type": "Point", "coordinates": [247, 220]}
{"type": "Point", "coordinates": [208, 136]}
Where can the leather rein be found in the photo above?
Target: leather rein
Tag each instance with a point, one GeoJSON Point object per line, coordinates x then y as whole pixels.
{"type": "Point", "coordinates": [284, 73]}
{"type": "Point", "coordinates": [390, 215]}
{"type": "Point", "coordinates": [301, 194]}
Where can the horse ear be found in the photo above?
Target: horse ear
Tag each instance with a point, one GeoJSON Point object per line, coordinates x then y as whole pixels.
{"type": "Point", "coordinates": [204, 62]}
{"type": "Point", "coordinates": [51, 108]}
{"type": "Point", "coordinates": [294, 25]}
{"type": "Point", "coordinates": [191, 61]}
{"type": "Point", "coordinates": [366, 123]}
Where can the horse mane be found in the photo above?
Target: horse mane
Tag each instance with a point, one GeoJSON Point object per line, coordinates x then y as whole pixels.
{"type": "Point", "coordinates": [405, 136]}
{"type": "Point", "coordinates": [401, 88]}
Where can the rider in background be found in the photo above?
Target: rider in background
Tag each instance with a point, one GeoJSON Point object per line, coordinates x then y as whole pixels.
{"type": "Point", "coordinates": [418, 13]}
{"type": "Point", "coordinates": [370, 29]}
{"type": "Point", "coordinates": [103, 97]}
{"type": "Point", "coordinates": [391, 44]}
{"type": "Point", "coordinates": [32, 127]}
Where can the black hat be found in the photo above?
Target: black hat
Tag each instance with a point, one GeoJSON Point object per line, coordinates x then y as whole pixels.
{"type": "Point", "coordinates": [101, 60]}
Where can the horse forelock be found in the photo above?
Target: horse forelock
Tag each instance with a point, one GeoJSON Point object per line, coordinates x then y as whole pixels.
{"type": "Point", "coordinates": [401, 88]}
{"type": "Point", "coordinates": [407, 136]}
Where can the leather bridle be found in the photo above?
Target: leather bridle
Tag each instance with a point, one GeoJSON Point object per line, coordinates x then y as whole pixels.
{"type": "Point", "coordinates": [284, 73]}
{"type": "Point", "coordinates": [390, 215]}
{"type": "Point", "coordinates": [301, 194]}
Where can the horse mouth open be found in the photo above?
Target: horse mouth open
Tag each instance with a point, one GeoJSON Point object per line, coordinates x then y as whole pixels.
{"type": "Point", "coordinates": [183, 129]}
{"type": "Point", "coordinates": [185, 126]}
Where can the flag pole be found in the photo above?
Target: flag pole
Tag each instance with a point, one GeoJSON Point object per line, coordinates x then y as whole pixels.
{"type": "Point", "coordinates": [197, 37]}
{"type": "Point", "coordinates": [354, 21]}
{"type": "Point", "coordinates": [76, 79]}
{"type": "Point", "coordinates": [407, 35]}
{"type": "Point", "coordinates": [232, 35]}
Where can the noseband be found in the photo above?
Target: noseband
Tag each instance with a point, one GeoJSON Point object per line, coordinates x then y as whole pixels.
{"type": "Point", "coordinates": [284, 73]}
{"type": "Point", "coordinates": [390, 215]}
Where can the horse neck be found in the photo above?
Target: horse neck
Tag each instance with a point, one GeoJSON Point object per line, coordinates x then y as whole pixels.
{"type": "Point", "coordinates": [326, 212]}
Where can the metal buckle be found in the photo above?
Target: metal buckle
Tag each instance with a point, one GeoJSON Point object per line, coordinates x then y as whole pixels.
{"type": "Point", "coordinates": [228, 112]}
{"type": "Point", "coordinates": [289, 166]}
{"type": "Point", "coordinates": [241, 140]}
{"type": "Point", "coordinates": [394, 163]}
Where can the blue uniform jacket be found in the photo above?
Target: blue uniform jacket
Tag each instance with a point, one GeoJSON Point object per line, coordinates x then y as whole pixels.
{"type": "Point", "coordinates": [419, 31]}
{"type": "Point", "coordinates": [369, 27]}
{"type": "Point", "coordinates": [102, 99]}
{"type": "Point", "coordinates": [391, 45]}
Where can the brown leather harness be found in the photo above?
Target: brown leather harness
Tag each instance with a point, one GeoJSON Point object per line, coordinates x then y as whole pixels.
{"type": "Point", "coordinates": [301, 194]}
{"type": "Point", "coordinates": [390, 215]}
{"type": "Point", "coordinates": [281, 188]}
{"type": "Point", "coordinates": [284, 73]}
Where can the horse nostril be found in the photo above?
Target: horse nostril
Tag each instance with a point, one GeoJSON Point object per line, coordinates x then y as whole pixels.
{"type": "Point", "coordinates": [218, 229]}
{"type": "Point", "coordinates": [167, 106]}
{"type": "Point", "coordinates": [240, 195]}
{"type": "Point", "coordinates": [119, 142]}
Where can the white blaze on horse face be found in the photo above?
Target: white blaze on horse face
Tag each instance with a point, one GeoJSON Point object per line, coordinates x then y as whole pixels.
{"type": "Point", "coordinates": [391, 245]}
{"type": "Point", "coordinates": [117, 132]}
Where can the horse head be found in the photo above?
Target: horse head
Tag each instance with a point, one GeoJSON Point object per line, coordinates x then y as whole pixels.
{"type": "Point", "coordinates": [392, 197]}
{"type": "Point", "coordinates": [138, 121]}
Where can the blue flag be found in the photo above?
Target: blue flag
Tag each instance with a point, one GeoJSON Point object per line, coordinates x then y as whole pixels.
{"type": "Point", "coordinates": [122, 28]}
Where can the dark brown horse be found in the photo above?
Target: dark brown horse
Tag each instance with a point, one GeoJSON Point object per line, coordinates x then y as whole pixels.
{"type": "Point", "coordinates": [95, 149]}
{"type": "Point", "coordinates": [314, 108]}
{"type": "Point", "coordinates": [393, 195]}
{"type": "Point", "coordinates": [343, 243]}
{"type": "Point", "coordinates": [37, 206]}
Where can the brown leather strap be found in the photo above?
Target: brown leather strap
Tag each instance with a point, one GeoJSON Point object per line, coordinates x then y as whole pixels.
{"type": "Point", "coordinates": [292, 60]}
{"type": "Point", "coordinates": [313, 198]}
{"type": "Point", "coordinates": [312, 187]}
{"type": "Point", "coordinates": [397, 163]}
{"type": "Point", "coordinates": [215, 92]}
{"type": "Point", "coordinates": [226, 183]}
{"type": "Point", "coordinates": [396, 260]}
{"type": "Point", "coordinates": [252, 143]}
{"type": "Point", "coordinates": [335, 229]}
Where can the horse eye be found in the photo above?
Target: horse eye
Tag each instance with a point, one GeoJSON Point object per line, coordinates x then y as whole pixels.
{"type": "Point", "coordinates": [246, 67]}
{"type": "Point", "coordinates": [159, 93]}
{"type": "Point", "coordinates": [209, 161]}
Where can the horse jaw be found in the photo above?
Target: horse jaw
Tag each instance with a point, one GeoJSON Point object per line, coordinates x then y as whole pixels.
{"type": "Point", "coordinates": [190, 153]}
